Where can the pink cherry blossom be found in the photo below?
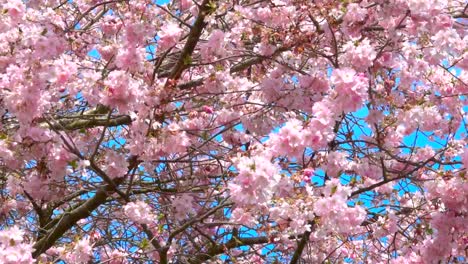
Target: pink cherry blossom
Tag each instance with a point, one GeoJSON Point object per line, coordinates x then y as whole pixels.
{"type": "Point", "coordinates": [169, 35]}
{"type": "Point", "coordinates": [233, 131]}
{"type": "Point", "coordinates": [360, 55]}
{"type": "Point", "coordinates": [12, 247]}
{"type": "Point", "coordinates": [115, 164]}
{"type": "Point", "coordinates": [183, 205]}
{"type": "Point", "coordinates": [255, 182]}
{"type": "Point", "coordinates": [351, 89]}
{"type": "Point", "coordinates": [15, 9]}
{"type": "Point", "coordinates": [214, 46]}
{"type": "Point", "coordinates": [139, 212]}
{"type": "Point", "coordinates": [119, 90]}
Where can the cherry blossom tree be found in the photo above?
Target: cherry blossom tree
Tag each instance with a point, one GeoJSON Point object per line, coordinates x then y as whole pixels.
{"type": "Point", "coordinates": [243, 131]}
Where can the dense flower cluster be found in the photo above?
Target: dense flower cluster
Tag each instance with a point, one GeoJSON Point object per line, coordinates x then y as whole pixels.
{"type": "Point", "coordinates": [233, 131]}
{"type": "Point", "coordinates": [12, 247]}
{"type": "Point", "coordinates": [255, 182]}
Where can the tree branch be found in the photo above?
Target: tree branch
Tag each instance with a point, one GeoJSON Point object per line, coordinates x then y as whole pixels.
{"type": "Point", "coordinates": [192, 40]}
{"type": "Point", "coordinates": [69, 219]}
{"type": "Point", "coordinates": [233, 243]}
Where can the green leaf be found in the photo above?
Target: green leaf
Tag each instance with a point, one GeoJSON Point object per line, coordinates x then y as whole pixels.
{"type": "Point", "coordinates": [430, 231]}
{"type": "Point", "coordinates": [219, 67]}
{"type": "Point", "coordinates": [187, 60]}
{"type": "Point", "coordinates": [160, 216]}
{"type": "Point", "coordinates": [144, 243]}
{"type": "Point", "coordinates": [211, 7]}
{"type": "Point", "coordinates": [74, 164]}
{"type": "Point", "coordinates": [253, 166]}
{"type": "Point", "coordinates": [205, 135]}
{"type": "Point", "coordinates": [463, 174]}
{"type": "Point", "coordinates": [237, 240]}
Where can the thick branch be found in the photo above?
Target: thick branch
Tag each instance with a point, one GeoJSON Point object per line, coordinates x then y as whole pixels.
{"type": "Point", "coordinates": [192, 40]}
{"type": "Point", "coordinates": [69, 219]}
{"type": "Point", "coordinates": [460, 15]}
{"type": "Point", "coordinates": [98, 116]}
{"type": "Point", "coordinates": [247, 63]}
{"type": "Point", "coordinates": [197, 219]}
{"type": "Point", "coordinates": [94, 122]}
{"type": "Point", "coordinates": [401, 176]}
{"type": "Point", "coordinates": [233, 243]}
{"type": "Point", "coordinates": [300, 247]}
